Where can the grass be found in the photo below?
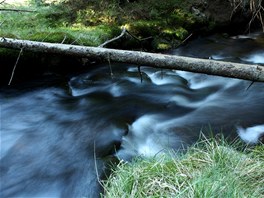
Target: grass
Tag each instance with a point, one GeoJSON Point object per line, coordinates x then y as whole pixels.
{"type": "Point", "coordinates": [208, 169]}
{"type": "Point", "coordinates": [93, 23]}
{"type": "Point", "coordinates": [43, 25]}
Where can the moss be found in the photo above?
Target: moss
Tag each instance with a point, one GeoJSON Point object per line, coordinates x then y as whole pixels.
{"type": "Point", "coordinates": [144, 28]}
{"type": "Point", "coordinates": [181, 33]}
{"type": "Point", "coordinates": [93, 23]}
{"type": "Point", "coordinates": [53, 37]}
{"type": "Point", "coordinates": [180, 17]}
{"type": "Point", "coordinates": [175, 33]}
{"type": "Point", "coordinates": [4, 52]}
{"type": "Point", "coordinates": [211, 25]}
{"type": "Point", "coordinates": [165, 37]}
{"type": "Point", "coordinates": [7, 35]}
{"type": "Point", "coordinates": [161, 44]}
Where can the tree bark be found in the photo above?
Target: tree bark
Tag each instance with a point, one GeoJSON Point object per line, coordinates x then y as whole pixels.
{"type": "Point", "coordinates": [15, 10]}
{"type": "Point", "coordinates": [212, 67]}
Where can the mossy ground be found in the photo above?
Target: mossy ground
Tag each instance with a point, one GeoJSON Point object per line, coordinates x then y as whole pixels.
{"type": "Point", "coordinates": [92, 23]}
{"type": "Point", "coordinates": [34, 26]}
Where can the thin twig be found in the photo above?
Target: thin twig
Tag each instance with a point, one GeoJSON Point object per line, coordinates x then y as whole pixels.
{"type": "Point", "coordinates": [110, 66]}
{"type": "Point", "coordinates": [113, 39]}
{"type": "Point", "coordinates": [2, 22]}
{"type": "Point", "coordinates": [133, 36]}
{"type": "Point", "coordinates": [96, 167]}
{"type": "Point", "coordinates": [254, 16]}
{"type": "Point", "coordinates": [14, 68]}
{"type": "Point", "coordinates": [140, 73]}
{"type": "Point", "coordinates": [234, 10]}
{"type": "Point", "coordinates": [46, 37]}
{"type": "Point", "coordinates": [261, 20]}
{"type": "Point", "coordinates": [253, 81]}
{"type": "Point", "coordinates": [63, 39]}
{"type": "Point", "coordinates": [255, 9]}
{"type": "Point", "coordinates": [184, 40]}
{"type": "Point", "coordinates": [77, 39]}
{"type": "Point", "coordinates": [250, 85]}
{"type": "Point", "coordinates": [2, 1]}
{"type": "Point", "coordinates": [124, 31]}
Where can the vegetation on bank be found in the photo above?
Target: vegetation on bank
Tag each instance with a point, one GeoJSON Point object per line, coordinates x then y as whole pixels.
{"type": "Point", "coordinates": [82, 22]}
{"type": "Point", "coordinates": [47, 23]}
{"type": "Point", "coordinates": [208, 169]}
{"type": "Point", "coordinates": [91, 23]}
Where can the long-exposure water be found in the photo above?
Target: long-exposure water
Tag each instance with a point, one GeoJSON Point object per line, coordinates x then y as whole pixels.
{"type": "Point", "coordinates": [56, 140]}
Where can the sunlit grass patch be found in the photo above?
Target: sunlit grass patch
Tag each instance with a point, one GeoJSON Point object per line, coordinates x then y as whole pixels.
{"type": "Point", "coordinates": [91, 23]}
{"type": "Point", "coordinates": [38, 26]}
{"type": "Point", "coordinates": [17, 2]}
{"type": "Point", "coordinates": [208, 169]}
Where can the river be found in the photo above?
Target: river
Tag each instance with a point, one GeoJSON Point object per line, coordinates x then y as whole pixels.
{"type": "Point", "coordinates": [56, 140]}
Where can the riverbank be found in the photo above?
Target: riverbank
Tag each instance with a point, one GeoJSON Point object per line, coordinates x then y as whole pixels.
{"type": "Point", "coordinates": [152, 26]}
{"type": "Point", "coordinates": [208, 169]}
{"type": "Point", "coordinates": [92, 24]}
{"type": "Point", "coordinates": [59, 130]}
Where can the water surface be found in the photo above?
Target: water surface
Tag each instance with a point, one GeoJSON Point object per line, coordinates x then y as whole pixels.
{"type": "Point", "coordinates": [56, 140]}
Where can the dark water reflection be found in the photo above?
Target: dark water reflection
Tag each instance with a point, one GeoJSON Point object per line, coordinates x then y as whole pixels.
{"type": "Point", "coordinates": [50, 137]}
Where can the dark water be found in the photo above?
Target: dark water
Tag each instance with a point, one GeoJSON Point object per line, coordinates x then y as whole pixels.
{"type": "Point", "coordinates": [56, 141]}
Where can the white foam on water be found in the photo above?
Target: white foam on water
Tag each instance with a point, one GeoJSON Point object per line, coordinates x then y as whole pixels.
{"type": "Point", "coordinates": [251, 135]}
{"type": "Point", "coordinates": [133, 80]}
{"type": "Point", "coordinates": [247, 36]}
{"type": "Point", "coordinates": [149, 147]}
{"type": "Point", "coordinates": [81, 92]}
{"type": "Point", "coordinates": [186, 102]}
{"type": "Point", "coordinates": [147, 138]}
{"type": "Point", "coordinates": [219, 57]}
{"type": "Point", "coordinates": [115, 90]}
{"type": "Point", "coordinates": [257, 58]}
{"type": "Point", "coordinates": [199, 81]}
{"type": "Point", "coordinates": [159, 78]}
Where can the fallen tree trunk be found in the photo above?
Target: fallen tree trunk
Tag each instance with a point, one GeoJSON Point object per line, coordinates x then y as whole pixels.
{"type": "Point", "coordinates": [15, 10]}
{"type": "Point", "coordinates": [220, 68]}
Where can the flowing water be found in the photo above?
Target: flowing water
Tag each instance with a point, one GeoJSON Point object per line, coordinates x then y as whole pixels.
{"type": "Point", "coordinates": [56, 140]}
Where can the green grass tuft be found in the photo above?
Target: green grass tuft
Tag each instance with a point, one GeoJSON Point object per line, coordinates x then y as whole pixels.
{"type": "Point", "coordinates": [208, 169]}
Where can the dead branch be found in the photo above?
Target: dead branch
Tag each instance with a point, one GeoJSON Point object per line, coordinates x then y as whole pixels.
{"type": "Point", "coordinates": [15, 10]}
{"type": "Point", "coordinates": [114, 39]}
{"type": "Point", "coordinates": [207, 66]}
{"type": "Point", "coordinates": [124, 31]}
{"type": "Point", "coordinates": [184, 40]}
{"type": "Point", "coordinates": [139, 39]}
{"type": "Point", "coordinates": [14, 68]}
